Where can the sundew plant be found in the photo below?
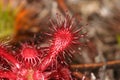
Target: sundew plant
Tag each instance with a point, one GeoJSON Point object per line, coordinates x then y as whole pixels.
{"type": "Point", "coordinates": [33, 62]}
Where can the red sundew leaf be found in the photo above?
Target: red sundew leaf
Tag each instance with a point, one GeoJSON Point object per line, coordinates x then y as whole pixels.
{"type": "Point", "coordinates": [64, 35]}
{"type": "Point", "coordinates": [30, 55]}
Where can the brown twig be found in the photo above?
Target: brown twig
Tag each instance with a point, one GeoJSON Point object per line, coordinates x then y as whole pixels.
{"type": "Point", "coordinates": [62, 5]}
{"type": "Point", "coordinates": [96, 65]}
{"type": "Point", "coordinates": [80, 76]}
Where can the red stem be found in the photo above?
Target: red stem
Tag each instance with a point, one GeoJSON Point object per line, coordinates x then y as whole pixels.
{"type": "Point", "coordinates": [9, 57]}
{"type": "Point", "coordinates": [47, 61]}
{"type": "Point", "coordinates": [6, 74]}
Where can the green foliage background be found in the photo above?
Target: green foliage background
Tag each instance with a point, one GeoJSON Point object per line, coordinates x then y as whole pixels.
{"type": "Point", "coordinates": [7, 17]}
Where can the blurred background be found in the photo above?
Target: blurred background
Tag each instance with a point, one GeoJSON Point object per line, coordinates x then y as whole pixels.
{"type": "Point", "coordinates": [21, 20]}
